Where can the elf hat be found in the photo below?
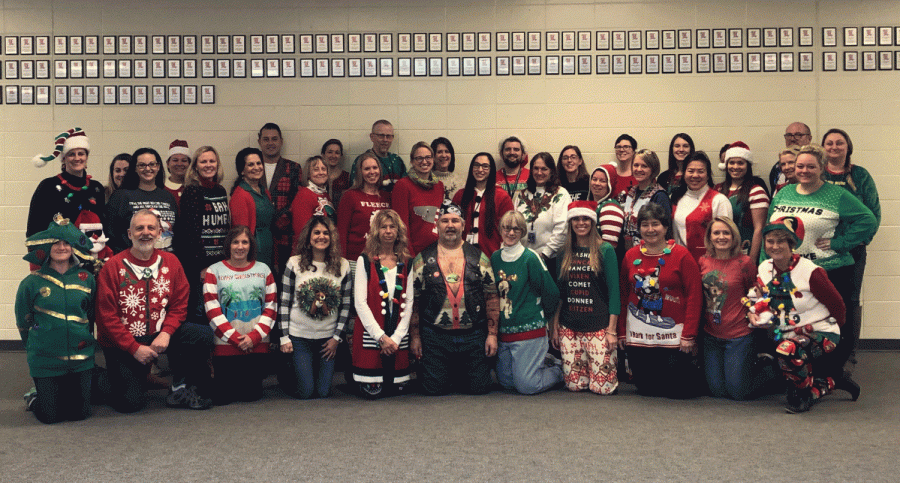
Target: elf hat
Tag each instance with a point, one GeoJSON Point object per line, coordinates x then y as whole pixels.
{"type": "Point", "coordinates": [582, 208]}
{"type": "Point", "coordinates": [790, 224]}
{"type": "Point", "coordinates": [59, 230]}
{"type": "Point", "coordinates": [737, 149]}
{"type": "Point", "coordinates": [179, 146]}
{"type": "Point", "coordinates": [63, 143]}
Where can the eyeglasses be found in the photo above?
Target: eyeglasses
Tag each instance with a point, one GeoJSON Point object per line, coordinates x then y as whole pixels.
{"type": "Point", "coordinates": [384, 137]}
{"type": "Point", "coordinates": [419, 159]}
{"type": "Point", "coordinates": [572, 157]}
{"type": "Point", "coordinates": [623, 147]}
{"type": "Point", "coordinates": [481, 166]}
{"type": "Point", "coordinates": [795, 135]}
{"type": "Point", "coordinates": [510, 229]}
{"type": "Point", "coordinates": [143, 166]}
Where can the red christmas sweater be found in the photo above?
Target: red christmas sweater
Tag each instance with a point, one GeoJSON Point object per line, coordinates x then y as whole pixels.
{"type": "Point", "coordinates": [417, 207]}
{"type": "Point", "coordinates": [354, 218]}
{"type": "Point", "coordinates": [671, 290]}
{"type": "Point", "coordinates": [137, 297]}
{"type": "Point", "coordinates": [306, 205]}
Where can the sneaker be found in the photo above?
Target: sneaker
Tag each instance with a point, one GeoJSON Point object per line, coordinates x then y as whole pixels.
{"type": "Point", "coordinates": [551, 361]}
{"type": "Point", "coordinates": [30, 398]}
{"type": "Point", "coordinates": [196, 401]}
{"type": "Point", "coordinates": [177, 397]}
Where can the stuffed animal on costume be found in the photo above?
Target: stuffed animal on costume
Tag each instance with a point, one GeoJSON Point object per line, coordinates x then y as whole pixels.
{"type": "Point", "coordinates": [762, 309]}
{"type": "Point", "coordinates": [89, 224]}
{"type": "Point", "coordinates": [646, 284]}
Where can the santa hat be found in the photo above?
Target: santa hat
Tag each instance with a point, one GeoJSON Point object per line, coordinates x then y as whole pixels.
{"type": "Point", "coordinates": [63, 143]}
{"type": "Point", "coordinates": [582, 208]}
{"type": "Point", "coordinates": [790, 224]}
{"type": "Point", "coordinates": [737, 149]}
{"type": "Point", "coordinates": [611, 175]}
{"type": "Point", "coordinates": [88, 221]}
{"type": "Point", "coordinates": [179, 146]}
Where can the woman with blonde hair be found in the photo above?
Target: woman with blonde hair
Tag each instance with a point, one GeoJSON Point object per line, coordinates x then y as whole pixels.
{"type": "Point", "coordinates": [383, 299]}
{"type": "Point", "coordinates": [312, 199]}
{"type": "Point", "coordinates": [728, 343]}
{"type": "Point", "coordinates": [204, 211]}
{"type": "Point", "coordinates": [585, 324]}
{"type": "Point", "coordinates": [528, 298]}
{"type": "Point", "coordinates": [316, 291]}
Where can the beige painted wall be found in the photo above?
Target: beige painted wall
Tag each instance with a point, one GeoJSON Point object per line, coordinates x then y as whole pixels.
{"type": "Point", "coordinates": [474, 112]}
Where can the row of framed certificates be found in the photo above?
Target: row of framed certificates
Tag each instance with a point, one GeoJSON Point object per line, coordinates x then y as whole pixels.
{"type": "Point", "coordinates": [450, 66]}
{"type": "Point", "coordinates": [109, 95]}
{"type": "Point", "coordinates": [337, 43]}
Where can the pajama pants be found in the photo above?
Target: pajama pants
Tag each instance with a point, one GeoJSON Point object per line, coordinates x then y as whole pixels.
{"type": "Point", "coordinates": [797, 354]}
{"type": "Point", "coordinates": [587, 364]}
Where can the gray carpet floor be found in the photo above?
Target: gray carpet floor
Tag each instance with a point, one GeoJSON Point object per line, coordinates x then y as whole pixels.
{"type": "Point", "coordinates": [556, 436]}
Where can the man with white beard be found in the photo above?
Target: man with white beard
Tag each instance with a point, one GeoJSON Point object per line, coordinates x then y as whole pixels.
{"type": "Point", "coordinates": [141, 305]}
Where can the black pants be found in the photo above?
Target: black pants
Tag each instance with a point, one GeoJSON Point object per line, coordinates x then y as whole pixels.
{"type": "Point", "coordinates": [188, 351]}
{"type": "Point", "coordinates": [238, 378]}
{"type": "Point", "coordinates": [454, 362]}
{"type": "Point", "coordinates": [61, 398]}
{"type": "Point", "coordinates": [844, 280]}
{"type": "Point", "coordinates": [664, 372]}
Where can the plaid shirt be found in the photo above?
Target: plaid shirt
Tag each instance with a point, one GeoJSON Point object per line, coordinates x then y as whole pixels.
{"type": "Point", "coordinates": [285, 183]}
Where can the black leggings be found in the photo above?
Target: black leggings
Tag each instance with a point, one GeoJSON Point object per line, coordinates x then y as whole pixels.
{"type": "Point", "coordinates": [61, 398]}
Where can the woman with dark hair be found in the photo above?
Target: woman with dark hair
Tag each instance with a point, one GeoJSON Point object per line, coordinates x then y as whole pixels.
{"type": "Point", "coordinates": [70, 191]}
{"type": "Point", "coordinates": [250, 203]}
{"type": "Point", "coordinates": [312, 199]}
{"type": "Point", "coordinates": [204, 219]}
{"type": "Point", "coordinates": [544, 204]}
{"type": "Point", "coordinates": [417, 197]}
{"type": "Point", "coordinates": [338, 178]}
{"type": "Point", "coordinates": [748, 195]}
{"type": "Point", "coordinates": [803, 309]}
{"type": "Point", "coordinates": [316, 292]}
{"type": "Point", "coordinates": [239, 297]}
{"type": "Point", "coordinates": [728, 343]}
{"type": "Point", "coordinates": [53, 310]}
{"type": "Point", "coordinates": [662, 299]}
{"type": "Point", "coordinates": [645, 169]}
{"type": "Point", "coordinates": [610, 216]}
{"type": "Point", "coordinates": [585, 323]}
{"type": "Point", "coordinates": [444, 165]}
{"type": "Point", "coordinates": [856, 179]}
{"type": "Point", "coordinates": [384, 300]}
{"type": "Point", "coordinates": [626, 148]}
{"type": "Point", "coordinates": [696, 204]}
{"type": "Point", "coordinates": [117, 169]}
{"type": "Point", "coordinates": [142, 188]}
{"type": "Point", "coordinates": [483, 204]}
{"type": "Point", "coordinates": [836, 222]}
{"type": "Point", "coordinates": [359, 204]}
{"type": "Point", "coordinates": [573, 175]}
{"type": "Point", "coordinates": [680, 149]}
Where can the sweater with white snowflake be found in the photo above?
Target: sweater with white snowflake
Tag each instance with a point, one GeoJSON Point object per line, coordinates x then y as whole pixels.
{"type": "Point", "coordinates": [139, 297]}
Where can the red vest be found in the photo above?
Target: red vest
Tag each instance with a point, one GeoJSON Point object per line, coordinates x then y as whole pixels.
{"type": "Point", "coordinates": [695, 225]}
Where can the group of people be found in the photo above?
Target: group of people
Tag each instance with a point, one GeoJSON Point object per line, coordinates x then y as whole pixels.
{"type": "Point", "coordinates": [532, 268]}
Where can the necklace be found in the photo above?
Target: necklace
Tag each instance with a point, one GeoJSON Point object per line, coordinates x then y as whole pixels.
{"type": "Point", "coordinates": [389, 305]}
{"type": "Point", "coordinates": [448, 261]}
{"type": "Point", "coordinates": [74, 189]}
{"type": "Point", "coordinates": [660, 262]}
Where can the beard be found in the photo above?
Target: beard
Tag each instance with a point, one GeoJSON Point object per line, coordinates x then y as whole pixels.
{"type": "Point", "coordinates": [511, 162]}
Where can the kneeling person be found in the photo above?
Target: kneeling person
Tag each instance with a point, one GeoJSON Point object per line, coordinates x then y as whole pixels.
{"type": "Point", "coordinates": [141, 305]}
{"type": "Point", "coordinates": [454, 321]}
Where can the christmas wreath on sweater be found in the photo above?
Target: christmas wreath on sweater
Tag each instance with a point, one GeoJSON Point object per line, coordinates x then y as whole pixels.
{"type": "Point", "coordinates": [318, 297]}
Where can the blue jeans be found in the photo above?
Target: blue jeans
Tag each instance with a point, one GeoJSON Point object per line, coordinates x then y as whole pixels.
{"type": "Point", "coordinates": [314, 374]}
{"type": "Point", "coordinates": [520, 366]}
{"type": "Point", "coordinates": [728, 366]}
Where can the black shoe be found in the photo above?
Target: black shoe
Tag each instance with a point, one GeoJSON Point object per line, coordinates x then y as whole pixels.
{"type": "Point", "coordinates": [848, 384]}
{"type": "Point", "coordinates": [799, 405]}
